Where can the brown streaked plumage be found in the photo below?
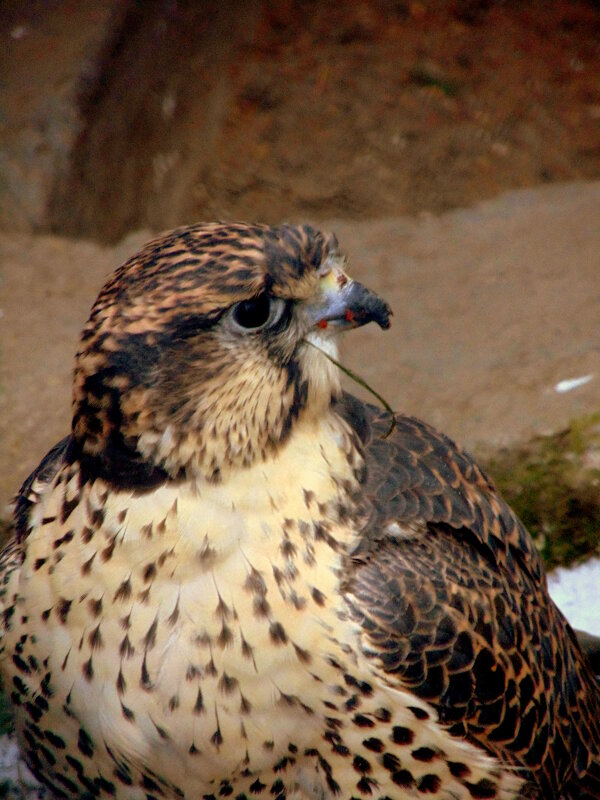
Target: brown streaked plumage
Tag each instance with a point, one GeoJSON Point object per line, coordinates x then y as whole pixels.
{"type": "Point", "coordinates": [226, 582]}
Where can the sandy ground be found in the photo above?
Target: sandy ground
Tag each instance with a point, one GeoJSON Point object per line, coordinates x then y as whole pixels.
{"type": "Point", "coordinates": [493, 307]}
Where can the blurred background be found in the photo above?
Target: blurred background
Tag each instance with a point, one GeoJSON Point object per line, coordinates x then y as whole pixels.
{"type": "Point", "coordinates": [120, 115]}
{"type": "Point", "coordinates": [453, 146]}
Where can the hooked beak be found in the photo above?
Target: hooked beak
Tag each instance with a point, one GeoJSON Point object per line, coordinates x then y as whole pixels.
{"type": "Point", "coordinates": [345, 303]}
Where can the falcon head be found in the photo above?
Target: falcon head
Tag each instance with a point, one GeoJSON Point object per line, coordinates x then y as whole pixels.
{"type": "Point", "coordinates": [196, 356]}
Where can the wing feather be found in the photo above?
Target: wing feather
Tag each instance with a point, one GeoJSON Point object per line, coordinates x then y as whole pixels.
{"type": "Point", "coordinates": [34, 485]}
{"type": "Point", "coordinates": [452, 598]}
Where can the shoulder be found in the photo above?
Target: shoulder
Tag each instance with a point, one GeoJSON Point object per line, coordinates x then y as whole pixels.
{"type": "Point", "coordinates": [417, 475]}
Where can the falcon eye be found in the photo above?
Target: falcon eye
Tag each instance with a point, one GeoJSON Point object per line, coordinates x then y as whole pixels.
{"type": "Point", "coordinates": [257, 313]}
{"type": "Point", "coordinates": [252, 313]}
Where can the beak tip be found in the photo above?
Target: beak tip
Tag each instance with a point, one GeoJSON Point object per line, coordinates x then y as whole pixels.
{"type": "Point", "coordinates": [382, 315]}
{"type": "Point", "coordinates": [353, 307]}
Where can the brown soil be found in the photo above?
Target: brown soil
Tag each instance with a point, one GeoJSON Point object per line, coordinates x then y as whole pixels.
{"type": "Point", "coordinates": [267, 111]}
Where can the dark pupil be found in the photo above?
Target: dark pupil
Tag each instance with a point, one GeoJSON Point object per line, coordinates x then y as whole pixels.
{"type": "Point", "coordinates": [253, 313]}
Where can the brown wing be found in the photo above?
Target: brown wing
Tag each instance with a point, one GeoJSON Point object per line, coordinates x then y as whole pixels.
{"type": "Point", "coordinates": [452, 597]}
{"type": "Point", "coordinates": [34, 483]}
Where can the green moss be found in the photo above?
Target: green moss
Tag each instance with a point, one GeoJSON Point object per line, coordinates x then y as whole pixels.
{"type": "Point", "coordinates": [553, 483]}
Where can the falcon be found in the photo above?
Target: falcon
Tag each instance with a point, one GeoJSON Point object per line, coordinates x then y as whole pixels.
{"type": "Point", "coordinates": [232, 579]}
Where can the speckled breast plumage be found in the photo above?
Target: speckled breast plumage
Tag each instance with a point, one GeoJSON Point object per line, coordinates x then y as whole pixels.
{"type": "Point", "coordinates": [214, 663]}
